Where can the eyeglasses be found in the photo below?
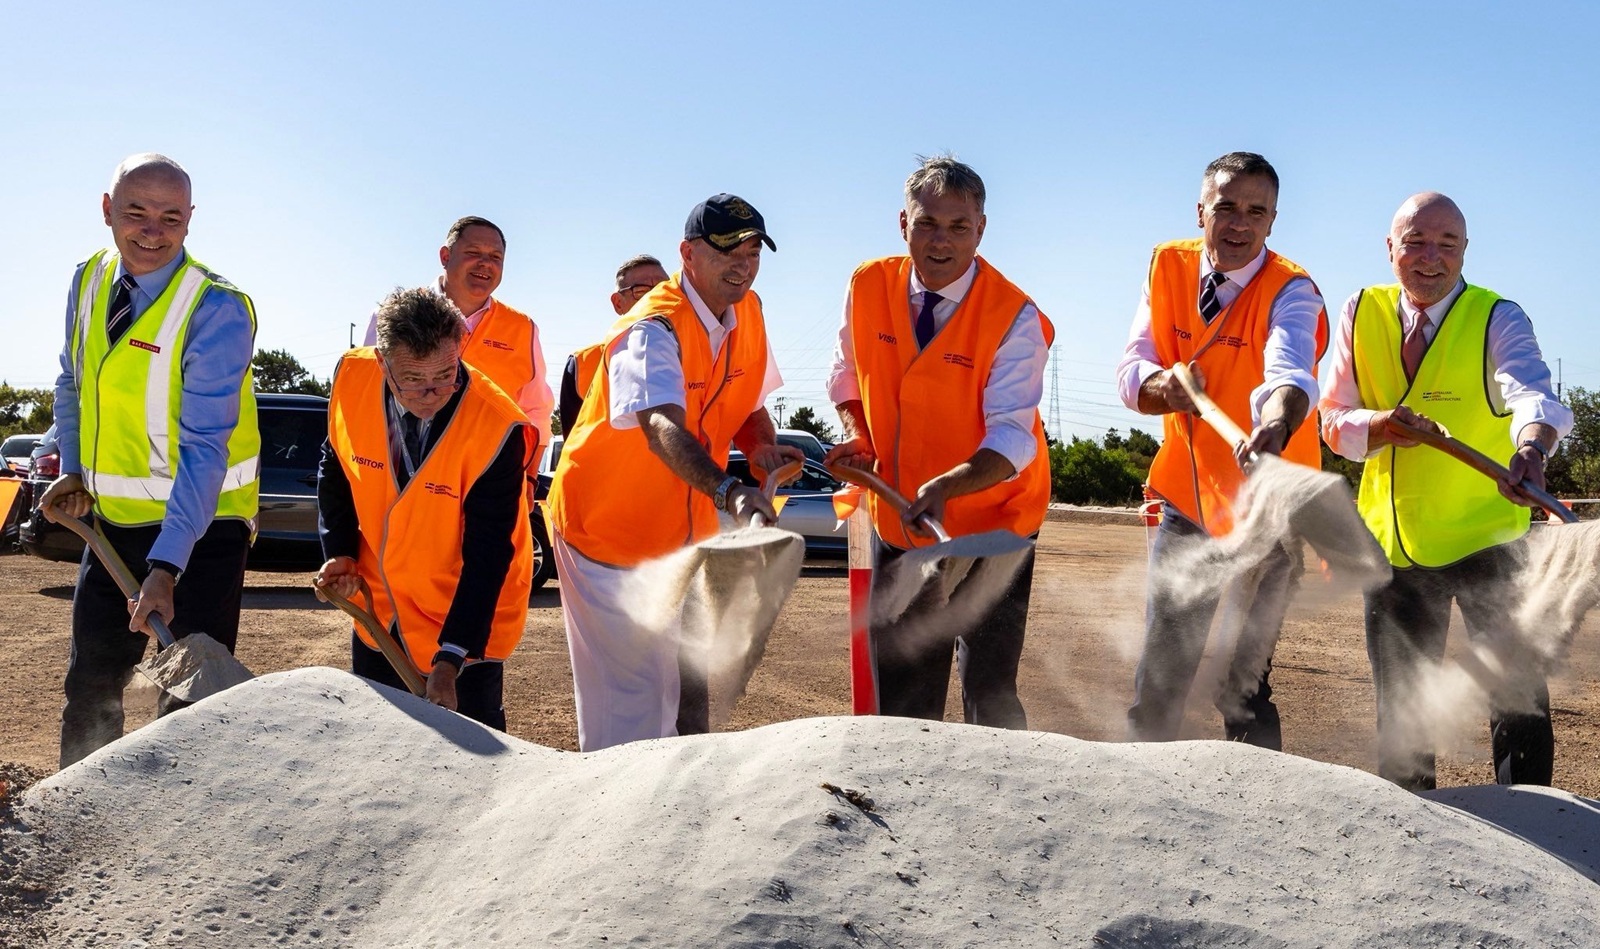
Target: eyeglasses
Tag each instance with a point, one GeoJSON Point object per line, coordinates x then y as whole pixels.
{"type": "Point", "coordinates": [637, 290]}
{"type": "Point", "coordinates": [424, 392]}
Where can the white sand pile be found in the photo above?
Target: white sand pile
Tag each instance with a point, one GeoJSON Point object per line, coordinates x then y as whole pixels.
{"type": "Point", "coordinates": [311, 809]}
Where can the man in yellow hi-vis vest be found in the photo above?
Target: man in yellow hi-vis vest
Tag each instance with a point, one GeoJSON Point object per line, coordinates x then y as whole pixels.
{"type": "Point", "coordinates": [158, 436]}
{"type": "Point", "coordinates": [1437, 351]}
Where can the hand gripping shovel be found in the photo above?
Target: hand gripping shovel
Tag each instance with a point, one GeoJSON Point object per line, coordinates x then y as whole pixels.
{"type": "Point", "coordinates": [728, 590]}
{"type": "Point", "coordinates": [1281, 497]}
{"type": "Point", "coordinates": [391, 650]}
{"type": "Point", "coordinates": [967, 574]}
{"type": "Point", "coordinates": [1476, 459]}
{"type": "Point", "coordinates": [188, 669]}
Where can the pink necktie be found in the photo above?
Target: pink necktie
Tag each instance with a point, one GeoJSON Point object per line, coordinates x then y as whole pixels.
{"type": "Point", "coordinates": [1414, 346]}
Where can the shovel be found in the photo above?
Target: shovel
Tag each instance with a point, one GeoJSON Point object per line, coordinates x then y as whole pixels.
{"type": "Point", "coordinates": [391, 650]}
{"type": "Point", "coordinates": [188, 669]}
{"type": "Point", "coordinates": [967, 574]}
{"type": "Point", "coordinates": [1474, 458]}
{"type": "Point", "coordinates": [1316, 505]}
{"type": "Point", "coordinates": [727, 590]}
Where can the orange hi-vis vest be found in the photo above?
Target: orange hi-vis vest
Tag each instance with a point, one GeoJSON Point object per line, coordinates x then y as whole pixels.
{"type": "Point", "coordinates": [925, 409]}
{"type": "Point", "coordinates": [586, 361]}
{"type": "Point", "coordinates": [1195, 470]}
{"type": "Point", "coordinates": [612, 498]}
{"type": "Point", "coordinates": [501, 347]}
{"type": "Point", "coordinates": [411, 540]}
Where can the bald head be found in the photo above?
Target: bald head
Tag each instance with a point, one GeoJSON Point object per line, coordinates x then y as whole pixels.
{"type": "Point", "coordinates": [148, 209]}
{"type": "Point", "coordinates": [1428, 247]}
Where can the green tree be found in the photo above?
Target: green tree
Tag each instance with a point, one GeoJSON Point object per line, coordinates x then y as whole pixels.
{"type": "Point", "coordinates": [277, 371]}
{"type": "Point", "coordinates": [1084, 472]}
{"type": "Point", "coordinates": [1580, 469]}
{"type": "Point", "coordinates": [806, 420]}
{"type": "Point", "coordinates": [24, 411]}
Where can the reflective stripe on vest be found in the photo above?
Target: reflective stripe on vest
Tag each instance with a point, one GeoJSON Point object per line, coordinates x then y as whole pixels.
{"type": "Point", "coordinates": [615, 501]}
{"type": "Point", "coordinates": [924, 408]}
{"type": "Point", "coordinates": [1425, 508]}
{"type": "Point", "coordinates": [411, 540]}
{"type": "Point", "coordinates": [1195, 470]}
{"type": "Point", "coordinates": [130, 421]}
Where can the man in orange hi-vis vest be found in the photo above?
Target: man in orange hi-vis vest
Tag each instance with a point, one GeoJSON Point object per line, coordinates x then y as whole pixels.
{"type": "Point", "coordinates": [636, 277]}
{"type": "Point", "coordinates": [421, 496]}
{"type": "Point", "coordinates": [502, 342]}
{"type": "Point", "coordinates": [684, 374]}
{"type": "Point", "coordinates": [937, 378]}
{"type": "Point", "coordinates": [1251, 325]}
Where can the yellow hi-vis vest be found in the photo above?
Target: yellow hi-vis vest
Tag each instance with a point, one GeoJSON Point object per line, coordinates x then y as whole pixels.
{"type": "Point", "coordinates": [130, 393]}
{"type": "Point", "coordinates": [1426, 508]}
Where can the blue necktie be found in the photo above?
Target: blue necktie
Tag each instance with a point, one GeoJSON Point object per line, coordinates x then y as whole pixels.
{"type": "Point", "coordinates": [121, 309]}
{"type": "Point", "coordinates": [925, 327]}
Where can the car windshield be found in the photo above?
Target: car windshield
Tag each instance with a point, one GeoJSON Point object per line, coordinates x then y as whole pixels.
{"type": "Point", "coordinates": [291, 439]}
{"type": "Point", "coordinates": [18, 445]}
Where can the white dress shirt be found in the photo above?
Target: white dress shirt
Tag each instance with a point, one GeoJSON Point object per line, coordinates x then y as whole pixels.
{"type": "Point", "coordinates": [647, 365]}
{"type": "Point", "coordinates": [1522, 380]}
{"type": "Point", "coordinates": [536, 399]}
{"type": "Point", "coordinates": [1289, 357]}
{"type": "Point", "coordinates": [1015, 386]}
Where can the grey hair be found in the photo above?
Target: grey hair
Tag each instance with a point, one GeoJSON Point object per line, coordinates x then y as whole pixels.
{"type": "Point", "coordinates": [942, 174]}
{"type": "Point", "coordinates": [420, 320]}
{"type": "Point", "coordinates": [1238, 164]}
{"type": "Point", "coordinates": [640, 260]}
{"type": "Point", "coordinates": [145, 163]}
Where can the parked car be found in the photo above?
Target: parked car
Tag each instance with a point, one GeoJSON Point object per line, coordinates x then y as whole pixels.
{"type": "Point", "coordinates": [292, 430]}
{"type": "Point", "coordinates": [544, 566]}
{"type": "Point", "coordinates": [16, 451]}
{"type": "Point", "coordinates": [808, 508]}
{"type": "Point", "coordinates": [805, 441]}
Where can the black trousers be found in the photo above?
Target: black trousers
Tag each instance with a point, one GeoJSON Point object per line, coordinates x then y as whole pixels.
{"type": "Point", "coordinates": [480, 689]}
{"type": "Point", "coordinates": [206, 599]}
{"type": "Point", "coordinates": [913, 664]}
{"type": "Point", "coordinates": [1407, 623]}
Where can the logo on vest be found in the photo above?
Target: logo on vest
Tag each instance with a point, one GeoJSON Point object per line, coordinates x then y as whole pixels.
{"type": "Point", "coordinates": [442, 490]}
{"type": "Point", "coordinates": [1237, 342]}
{"type": "Point", "coordinates": [361, 462]}
{"type": "Point", "coordinates": [736, 374]}
{"type": "Point", "coordinates": [1439, 395]}
{"type": "Point", "coordinates": [141, 344]}
{"type": "Point", "coordinates": [496, 344]}
{"type": "Point", "coordinates": [1182, 334]}
{"type": "Point", "coordinates": [956, 359]}
{"type": "Point", "coordinates": [694, 386]}
{"type": "Point", "coordinates": [887, 338]}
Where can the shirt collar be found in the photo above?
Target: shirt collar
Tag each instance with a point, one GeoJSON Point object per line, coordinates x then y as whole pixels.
{"type": "Point", "coordinates": [151, 284]}
{"type": "Point", "coordinates": [1436, 312]}
{"type": "Point", "coordinates": [475, 315]}
{"type": "Point", "coordinates": [707, 319]}
{"type": "Point", "coordinates": [956, 291]}
{"type": "Point", "coordinates": [1240, 277]}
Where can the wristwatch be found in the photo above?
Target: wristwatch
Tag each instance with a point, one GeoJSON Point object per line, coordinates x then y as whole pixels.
{"type": "Point", "coordinates": [171, 568]}
{"type": "Point", "coordinates": [719, 497]}
{"type": "Point", "coordinates": [1535, 444]}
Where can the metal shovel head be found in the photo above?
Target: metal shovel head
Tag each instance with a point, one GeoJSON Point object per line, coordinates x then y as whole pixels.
{"type": "Point", "coordinates": [965, 575]}
{"type": "Point", "coordinates": [195, 667]}
{"type": "Point", "coordinates": [731, 603]}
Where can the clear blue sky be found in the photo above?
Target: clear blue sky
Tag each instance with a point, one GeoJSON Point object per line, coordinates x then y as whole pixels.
{"type": "Point", "coordinates": [332, 144]}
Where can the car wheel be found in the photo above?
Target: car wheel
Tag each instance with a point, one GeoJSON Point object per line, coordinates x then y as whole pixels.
{"type": "Point", "coordinates": [544, 566]}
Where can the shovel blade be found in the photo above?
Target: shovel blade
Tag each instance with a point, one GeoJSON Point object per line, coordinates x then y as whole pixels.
{"type": "Point", "coordinates": [1319, 508]}
{"type": "Point", "coordinates": [195, 667]}
{"type": "Point", "coordinates": [966, 575]}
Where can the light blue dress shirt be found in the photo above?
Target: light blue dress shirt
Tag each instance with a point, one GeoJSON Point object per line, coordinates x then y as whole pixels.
{"type": "Point", "coordinates": [216, 353]}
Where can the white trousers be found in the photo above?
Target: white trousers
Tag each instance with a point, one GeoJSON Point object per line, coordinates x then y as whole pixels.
{"type": "Point", "coordinates": [624, 675]}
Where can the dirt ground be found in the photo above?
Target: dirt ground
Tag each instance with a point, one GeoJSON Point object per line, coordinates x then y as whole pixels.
{"type": "Point", "coordinates": [1084, 630]}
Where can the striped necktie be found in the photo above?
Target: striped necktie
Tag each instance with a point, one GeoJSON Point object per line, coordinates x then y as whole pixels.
{"type": "Point", "coordinates": [121, 309]}
{"type": "Point", "coordinates": [1210, 306]}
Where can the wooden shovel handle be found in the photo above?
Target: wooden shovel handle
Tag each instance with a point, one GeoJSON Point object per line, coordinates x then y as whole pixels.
{"type": "Point", "coordinates": [1210, 412]}
{"type": "Point", "coordinates": [119, 571]}
{"type": "Point", "coordinates": [870, 481]}
{"type": "Point", "coordinates": [391, 649]}
{"type": "Point", "coordinates": [1473, 458]}
{"type": "Point", "coordinates": [781, 475]}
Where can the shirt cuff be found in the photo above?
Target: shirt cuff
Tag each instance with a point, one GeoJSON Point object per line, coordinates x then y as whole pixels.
{"type": "Point", "coordinates": [171, 548]}
{"type": "Point", "coordinates": [843, 386]}
{"type": "Point", "coordinates": [1304, 381]}
{"type": "Point", "coordinates": [1543, 411]}
{"type": "Point", "coordinates": [1019, 448]}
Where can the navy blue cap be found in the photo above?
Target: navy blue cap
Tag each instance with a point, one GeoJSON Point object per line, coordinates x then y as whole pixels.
{"type": "Point", "coordinates": [725, 221]}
